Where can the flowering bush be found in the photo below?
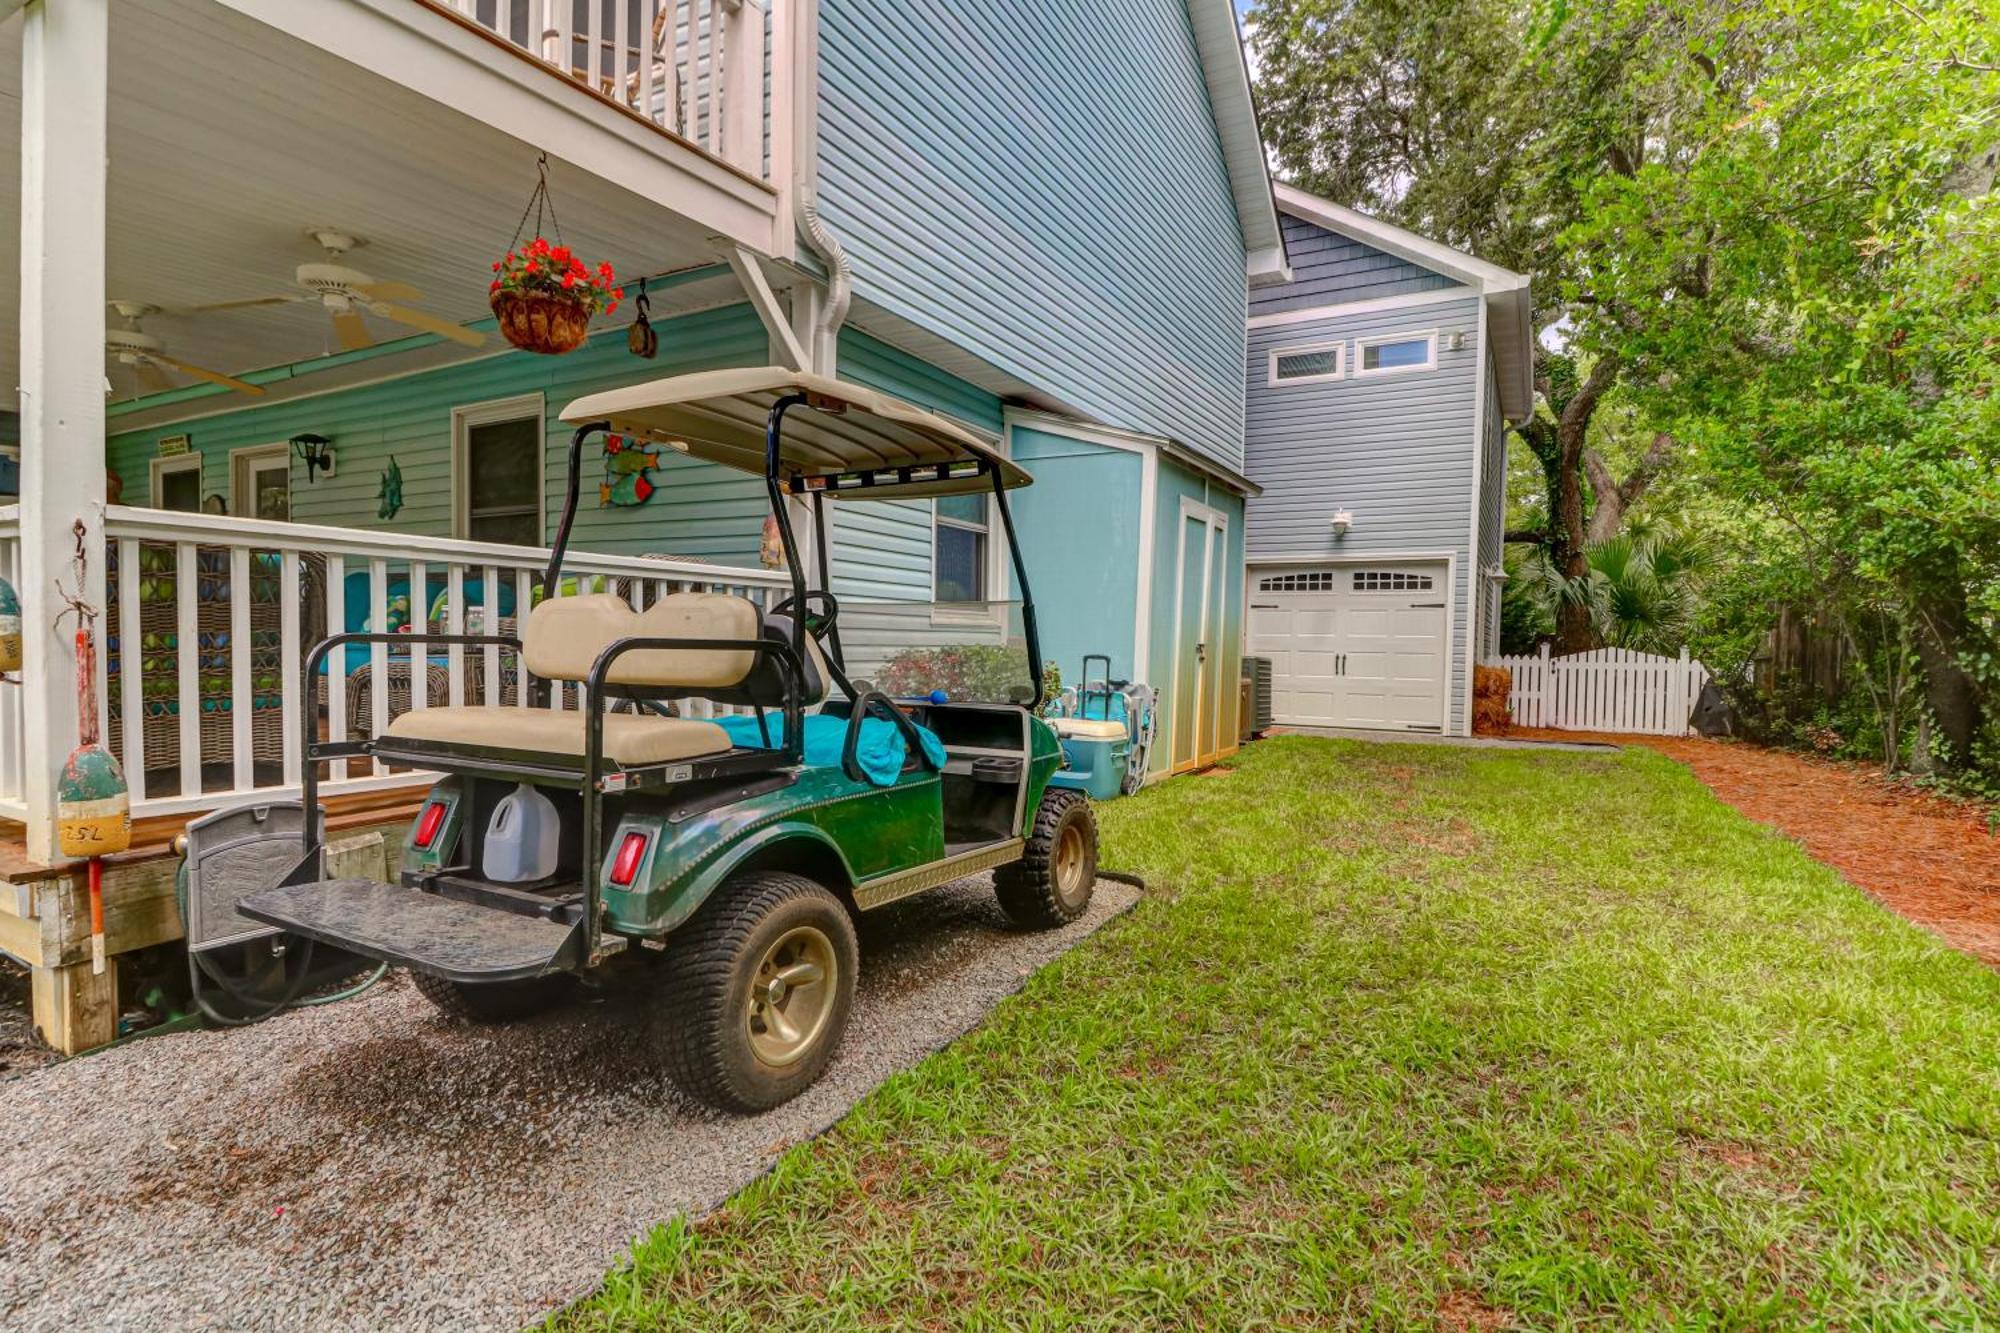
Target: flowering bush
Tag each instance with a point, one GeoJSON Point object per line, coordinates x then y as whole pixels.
{"type": "Point", "coordinates": [541, 269]}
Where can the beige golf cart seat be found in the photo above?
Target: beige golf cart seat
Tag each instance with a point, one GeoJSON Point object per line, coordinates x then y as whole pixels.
{"type": "Point", "coordinates": [562, 641]}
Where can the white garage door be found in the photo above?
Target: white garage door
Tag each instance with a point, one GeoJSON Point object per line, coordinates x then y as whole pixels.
{"type": "Point", "coordinates": [1353, 645]}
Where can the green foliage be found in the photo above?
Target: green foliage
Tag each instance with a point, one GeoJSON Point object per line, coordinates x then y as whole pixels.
{"type": "Point", "coordinates": [988, 672]}
{"type": "Point", "coordinates": [1640, 588]}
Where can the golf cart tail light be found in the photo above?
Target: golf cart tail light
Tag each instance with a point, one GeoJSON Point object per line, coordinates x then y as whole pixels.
{"type": "Point", "coordinates": [429, 823]}
{"type": "Point", "coordinates": [630, 853]}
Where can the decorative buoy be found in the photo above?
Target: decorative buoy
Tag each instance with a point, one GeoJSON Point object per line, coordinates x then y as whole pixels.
{"type": "Point", "coordinates": [93, 803]}
{"type": "Point", "coordinates": [10, 628]}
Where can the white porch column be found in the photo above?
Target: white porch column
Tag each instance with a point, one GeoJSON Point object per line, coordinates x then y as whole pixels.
{"type": "Point", "coordinates": [65, 62]}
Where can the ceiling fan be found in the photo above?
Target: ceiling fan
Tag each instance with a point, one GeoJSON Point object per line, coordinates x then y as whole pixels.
{"type": "Point", "coordinates": [147, 355]}
{"type": "Point", "coordinates": [346, 292]}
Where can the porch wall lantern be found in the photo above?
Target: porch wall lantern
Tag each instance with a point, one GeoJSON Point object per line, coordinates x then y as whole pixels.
{"type": "Point", "coordinates": [315, 451]}
{"type": "Point", "coordinates": [1342, 521]}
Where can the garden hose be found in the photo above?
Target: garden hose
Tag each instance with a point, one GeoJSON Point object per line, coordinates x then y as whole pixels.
{"type": "Point", "coordinates": [1122, 877]}
{"type": "Point", "coordinates": [199, 969]}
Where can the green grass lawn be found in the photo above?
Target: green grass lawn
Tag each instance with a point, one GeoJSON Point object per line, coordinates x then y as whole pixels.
{"type": "Point", "coordinates": [1412, 1035]}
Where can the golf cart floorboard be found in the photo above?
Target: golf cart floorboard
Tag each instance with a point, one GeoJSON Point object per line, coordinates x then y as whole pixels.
{"type": "Point", "coordinates": [445, 937]}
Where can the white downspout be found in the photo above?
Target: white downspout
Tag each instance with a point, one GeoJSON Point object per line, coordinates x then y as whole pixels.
{"type": "Point", "coordinates": [825, 339]}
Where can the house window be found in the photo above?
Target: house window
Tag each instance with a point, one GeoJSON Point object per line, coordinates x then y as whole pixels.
{"type": "Point", "coordinates": [177, 483]}
{"type": "Point", "coordinates": [1389, 580]}
{"type": "Point", "coordinates": [1306, 364]}
{"type": "Point", "coordinates": [1384, 356]}
{"type": "Point", "coordinates": [959, 548]}
{"type": "Point", "coordinates": [497, 457]}
{"type": "Point", "coordinates": [261, 479]}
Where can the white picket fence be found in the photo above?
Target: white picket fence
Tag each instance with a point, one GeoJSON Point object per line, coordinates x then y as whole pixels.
{"type": "Point", "coordinates": [1609, 689]}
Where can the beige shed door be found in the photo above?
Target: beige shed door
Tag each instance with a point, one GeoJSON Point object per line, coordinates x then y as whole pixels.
{"type": "Point", "coordinates": [1353, 645]}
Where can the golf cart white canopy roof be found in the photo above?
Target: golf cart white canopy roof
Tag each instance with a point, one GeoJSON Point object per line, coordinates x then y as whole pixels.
{"type": "Point", "coordinates": [845, 440]}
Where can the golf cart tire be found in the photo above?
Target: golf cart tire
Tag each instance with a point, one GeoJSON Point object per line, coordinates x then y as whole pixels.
{"type": "Point", "coordinates": [1046, 888]}
{"type": "Point", "coordinates": [493, 1001]}
{"type": "Point", "coordinates": [713, 963]}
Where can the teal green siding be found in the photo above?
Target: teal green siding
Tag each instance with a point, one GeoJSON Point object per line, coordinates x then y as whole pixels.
{"type": "Point", "coordinates": [701, 510]}
{"type": "Point", "coordinates": [1079, 528]}
{"type": "Point", "coordinates": [1043, 186]}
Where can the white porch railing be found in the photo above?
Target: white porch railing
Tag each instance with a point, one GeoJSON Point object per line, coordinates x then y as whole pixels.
{"type": "Point", "coordinates": [696, 68]}
{"type": "Point", "coordinates": [1610, 689]}
{"type": "Point", "coordinates": [209, 620]}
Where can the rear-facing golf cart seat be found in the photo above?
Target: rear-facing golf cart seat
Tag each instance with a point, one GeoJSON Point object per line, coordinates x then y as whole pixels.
{"type": "Point", "coordinates": [562, 641]}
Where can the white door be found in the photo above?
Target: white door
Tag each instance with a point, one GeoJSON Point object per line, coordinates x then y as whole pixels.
{"type": "Point", "coordinates": [1353, 645]}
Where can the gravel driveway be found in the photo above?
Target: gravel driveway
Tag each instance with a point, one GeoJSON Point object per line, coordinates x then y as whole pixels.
{"type": "Point", "coordinates": [365, 1165]}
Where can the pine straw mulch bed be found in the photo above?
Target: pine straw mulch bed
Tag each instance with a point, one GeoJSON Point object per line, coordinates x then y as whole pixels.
{"type": "Point", "coordinates": [1930, 859]}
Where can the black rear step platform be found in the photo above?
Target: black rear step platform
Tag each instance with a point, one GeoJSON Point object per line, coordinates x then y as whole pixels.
{"type": "Point", "coordinates": [445, 937]}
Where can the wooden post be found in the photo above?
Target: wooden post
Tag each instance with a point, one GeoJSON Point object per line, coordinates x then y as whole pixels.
{"type": "Point", "coordinates": [65, 65]}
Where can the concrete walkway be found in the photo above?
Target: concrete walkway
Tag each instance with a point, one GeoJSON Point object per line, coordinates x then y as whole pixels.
{"type": "Point", "coordinates": [1433, 738]}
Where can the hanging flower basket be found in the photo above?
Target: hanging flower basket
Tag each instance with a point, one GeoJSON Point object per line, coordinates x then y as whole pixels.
{"type": "Point", "coordinates": [545, 297]}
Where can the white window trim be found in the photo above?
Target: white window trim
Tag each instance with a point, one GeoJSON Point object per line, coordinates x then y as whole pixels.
{"type": "Point", "coordinates": [1361, 345]}
{"type": "Point", "coordinates": [1337, 346]}
{"type": "Point", "coordinates": [463, 419]}
{"type": "Point", "coordinates": [949, 613]}
{"type": "Point", "coordinates": [249, 456]}
{"type": "Point", "coordinates": [158, 468]}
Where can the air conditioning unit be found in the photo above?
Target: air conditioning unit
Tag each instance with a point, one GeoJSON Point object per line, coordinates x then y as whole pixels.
{"type": "Point", "coordinates": [1256, 710]}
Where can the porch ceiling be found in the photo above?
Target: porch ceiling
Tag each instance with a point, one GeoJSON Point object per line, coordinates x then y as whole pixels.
{"type": "Point", "coordinates": [228, 139]}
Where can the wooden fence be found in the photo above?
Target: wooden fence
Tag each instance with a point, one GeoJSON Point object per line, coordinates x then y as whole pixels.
{"type": "Point", "coordinates": [1609, 689]}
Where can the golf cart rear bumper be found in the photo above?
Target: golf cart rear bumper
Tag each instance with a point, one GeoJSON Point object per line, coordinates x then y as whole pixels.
{"type": "Point", "coordinates": [408, 927]}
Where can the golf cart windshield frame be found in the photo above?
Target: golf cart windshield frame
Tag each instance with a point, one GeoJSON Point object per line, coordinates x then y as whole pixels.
{"type": "Point", "coordinates": [846, 484]}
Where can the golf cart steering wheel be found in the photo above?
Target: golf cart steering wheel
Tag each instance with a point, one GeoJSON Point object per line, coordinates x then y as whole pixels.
{"type": "Point", "coordinates": [821, 610]}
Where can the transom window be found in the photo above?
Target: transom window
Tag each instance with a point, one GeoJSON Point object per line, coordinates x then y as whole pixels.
{"type": "Point", "coordinates": [1382, 356]}
{"type": "Point", "coordinates": [958, 565]}
{"type": "Point", "coordinates": [1390, 580]}
{"type": "Point", "coordinates": [499, 448]}
{"type": "Point", "coordinates": [1317, 580]}
{"type": "Point", "coordinates": [1308, 362]}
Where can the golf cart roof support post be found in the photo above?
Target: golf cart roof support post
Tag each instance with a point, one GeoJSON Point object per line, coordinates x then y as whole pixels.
{"type": "Point", "coordinates": [824, 556]}
{"type": "Point", "coordinates": [774, 427]}
{"type": "Point", "coordinates": [1027, 597]}
{"type": "Point", "coordinates": [554, 571]}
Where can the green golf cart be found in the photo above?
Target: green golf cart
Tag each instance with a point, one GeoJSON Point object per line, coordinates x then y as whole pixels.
{"type": "Point", "coordinates": [734, 788]}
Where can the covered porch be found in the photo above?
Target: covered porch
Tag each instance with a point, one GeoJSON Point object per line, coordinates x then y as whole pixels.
{"type": "Point", "coordinates": [179, 161]}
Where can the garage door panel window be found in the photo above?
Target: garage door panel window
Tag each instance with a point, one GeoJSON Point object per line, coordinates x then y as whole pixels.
{"type": "Point", "coordinates": [1388, 580]}
{"type": "Point", "coordinates": [1318, 580]}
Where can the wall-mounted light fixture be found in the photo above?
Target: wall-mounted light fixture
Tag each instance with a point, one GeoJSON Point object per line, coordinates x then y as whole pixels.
{"type": "Point", "coordinates": [1342, 521]}
{"type": "Point", "coordinates": [316, 452]}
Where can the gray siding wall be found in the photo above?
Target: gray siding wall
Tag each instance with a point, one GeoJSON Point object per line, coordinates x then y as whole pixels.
{"type": "Point", "coordinates": [1043, 185]}
{"type": "Point", "coordinates": [1398, 451]}
{"type": "Point", "coordinates": [1331, 269]}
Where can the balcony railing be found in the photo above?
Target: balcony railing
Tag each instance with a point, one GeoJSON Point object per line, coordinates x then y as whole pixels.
{"type": "Point", "coordinates": [208, 620]}
{"type": "Point", "coordinates": [696, 68]}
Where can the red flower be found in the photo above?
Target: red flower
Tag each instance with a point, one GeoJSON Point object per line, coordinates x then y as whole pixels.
{"type": "Point", "coordinates": [540, 247]}
{"type": "Point", "coordinates": [495, 287]}
{"type": "Point", "coordinates": [560, 254]}
{"type": "Point", "coordinates": [533, 267]}
{"type": "Point", "coordinates": [604, 271]}
{"type": "Point", "coordinates": [569, 280]}
{"type": "Point", "coordinates": [496, 266]}
{"type": "Point", "coordinates": [618, 293]}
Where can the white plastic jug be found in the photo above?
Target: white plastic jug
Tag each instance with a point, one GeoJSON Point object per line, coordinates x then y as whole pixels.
{"type": "Point", "coordinates": [523, 838]}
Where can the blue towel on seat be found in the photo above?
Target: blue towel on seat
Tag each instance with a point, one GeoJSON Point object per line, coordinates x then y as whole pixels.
{"type": "Point", "coordinates": [880, 753]}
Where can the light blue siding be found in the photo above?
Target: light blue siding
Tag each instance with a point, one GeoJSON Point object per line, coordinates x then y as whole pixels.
{"type": "Point", "coordinates": [1225, 647]}
{"type": "Point", "coordinates": [1331, 269]}
{"type": "Point", "coordinates": [1399, 451]}
{"type": "Point", "coordinates": [1043, 186]}
{"type": "Point", "coordinates": [1079, 529]}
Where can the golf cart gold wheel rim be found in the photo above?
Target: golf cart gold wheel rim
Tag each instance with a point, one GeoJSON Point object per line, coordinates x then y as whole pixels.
{"type": "Point", "coordinates": [791, 996]}
{"type": "Point", "coordinates": [1070, 858]}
